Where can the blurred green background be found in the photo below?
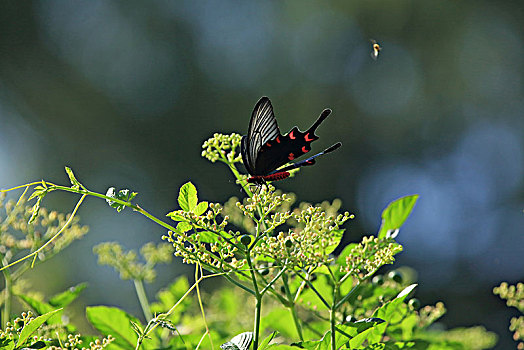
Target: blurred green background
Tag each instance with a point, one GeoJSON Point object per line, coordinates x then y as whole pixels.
{"type": "Point", "coordinates": [125, 92]}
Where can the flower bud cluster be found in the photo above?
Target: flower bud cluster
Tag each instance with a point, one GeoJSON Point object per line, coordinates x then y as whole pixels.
{"type": "Point", "coordinates": [74, 342]}
{"type": "Point", "coordinates": [310, 242]}
{"type": "Point", "coordinates": [219, 255]}
{"type": "Point", "coordinates": [126, 262]}
{"type": "Point", "coordinates": [366, 257]}
{"type": "Point", "coordinates": [17, 235]}
{"type": "Point", "coordinates": [514, 295]}
{"type": "Point", "coordinates": [222, 147]}
{"type": "Point", "coordinates": [429, 314]}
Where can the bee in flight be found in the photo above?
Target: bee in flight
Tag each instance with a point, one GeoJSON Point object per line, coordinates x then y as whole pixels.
{"type": "Point", "coordinates": [376, 49]}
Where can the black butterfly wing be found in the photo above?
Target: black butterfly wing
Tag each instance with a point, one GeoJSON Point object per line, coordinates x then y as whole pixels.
{"type": "Point", "coordinates": [263, 128]}
{"type": "Point", "coordinates": [282, 149]}
{"type": "Point", "coordinates": [311, 160]}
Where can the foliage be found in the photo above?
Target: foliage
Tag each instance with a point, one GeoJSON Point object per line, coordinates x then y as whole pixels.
{"type": "Point", "coordinates": [285, 283]}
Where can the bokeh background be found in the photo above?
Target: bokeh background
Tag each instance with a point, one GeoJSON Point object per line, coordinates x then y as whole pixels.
{"type": "Point", "coordinates": [125, 92]}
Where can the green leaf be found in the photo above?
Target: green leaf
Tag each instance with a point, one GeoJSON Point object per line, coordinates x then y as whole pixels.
{"type": "Point", "coordinates": [208, 237]}
{"type": "Point", "coordinates": [177, 215]}
{"type": "Point", "coordinates": [337, 235]}
{"type": "Point", "coordinates": [341, 259]}
{"type": "Point", "coordinates": [187, 197]}
{"type": "Point", "coordinates": [124, 195]}
{"type": "Point", "coordinates": [75, 184]}
{"type": "Point", "coordinates": [201, 208]}
{"type": "Point", "coordinates": [264, 344]}
{"type": "Point", "coordinates": [65, 298]}
{"type": "Point", "coordinates": [42, 308]}
{"type": "Point", "coordinates": [386, 312]}
{"type": "Point", "coordinates": [111, 320]}
{"type": "Point", "coordinates": [280, 320]}
{"type": "Point", "coordinates": [411, 345]}
{"type": "Point", "coordinates": [7, 344]}
{"type": "Point", "coordinates": [395, 214]}
{"type": "Point", "coordinates": [33, 326]}
{"type": "Point", "coordinates": [357, 331]}
{"type": "Point", "coordinates": [184, 226]}
{"type": "Point", "coordinates": [35, 210]}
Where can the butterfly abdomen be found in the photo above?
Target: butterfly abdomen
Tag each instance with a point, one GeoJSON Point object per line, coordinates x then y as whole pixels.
{"type": "Point", "coordinates": [272, 177]}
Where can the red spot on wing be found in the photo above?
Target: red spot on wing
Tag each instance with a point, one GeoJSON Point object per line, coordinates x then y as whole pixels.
{"type": "Point", "coordinates": [268, 144]}
{"type": "Point", "coordinates": [310, 162]}
{"type": "Point", "coordinates": [277, 139]}
{"type": "Point", "coordinates": [291, 156]}
{"type": "Point", "coordinates": [307, 138]}
{"type": "Point", "coordinates": [291, 136]}
{"type": "Point", "coordinates": [304, 149]}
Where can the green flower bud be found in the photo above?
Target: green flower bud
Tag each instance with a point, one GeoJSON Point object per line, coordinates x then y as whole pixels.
{"type": "Point", "coordinates": [395, 276]}
{"type": "Point", "coordinates": [245, 240]}
{"type": "Point", "coordinates": [378, 280]}
{"type": "Point", "coordinates": [414, 303]}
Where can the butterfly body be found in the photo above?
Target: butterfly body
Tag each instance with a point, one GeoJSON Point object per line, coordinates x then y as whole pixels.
{"type": "Point", "coordinates": [265, 150]}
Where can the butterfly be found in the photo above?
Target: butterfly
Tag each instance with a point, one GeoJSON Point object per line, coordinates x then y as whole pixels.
{"type": "Point", "coordinates": [241, 341]}
{"type": "Point", "coordinates": [376, 49]}
{"type": "Point", "coordinates": [265, 150]}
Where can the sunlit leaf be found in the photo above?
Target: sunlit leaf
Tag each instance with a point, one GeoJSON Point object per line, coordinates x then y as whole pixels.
{"type": "Point", "coordinates": [110, 320]}
{"type": "Point", "coordinates": [395, 214]}
{"type": "Point", "coordinates": [187, 197]}
{"type": "Point", "coordinates": [201, 208]}
{"type": "Point", "coordinates": [30, 328]}
{"type": "Point", "coordinates": [65, 298]}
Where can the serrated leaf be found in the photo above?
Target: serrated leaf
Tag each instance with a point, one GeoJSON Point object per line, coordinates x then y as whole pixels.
{"type": "Point", "coordinates": [33, 326]}
{"type": "Point", "coordinates": [187, 197]}
{"type": "Point", "coordinates": [111, 320]}
{"type": "Point", "coordinates": [65, 298]}
{"type": "Point", "coordinates": [395, 214]}
{"type": "Point", "coordinates": [201, 208]}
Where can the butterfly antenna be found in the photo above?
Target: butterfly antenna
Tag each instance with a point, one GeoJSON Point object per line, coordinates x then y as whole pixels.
{"type": "Point", "coordinates": [325, 113]}
{"type": "Point", "coordinates": [332, 148]}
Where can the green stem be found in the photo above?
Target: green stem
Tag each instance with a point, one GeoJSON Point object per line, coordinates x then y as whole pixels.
{"type": "Point", "coordinates": [296, 320]}
{"type": "Point", "coordinates": [258, 301]}
{"type": "Point", "coordinates": [332, 327]}
{"type": "Point", "coordinates": [6, 311]}
{"type": "Point", "coordinates": [291, 306]}
{"type": "Point", "coordinates": [142, 297]}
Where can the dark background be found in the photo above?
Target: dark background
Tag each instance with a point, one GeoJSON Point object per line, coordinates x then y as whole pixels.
{"type": "Point", "coordinates": [125, 92]}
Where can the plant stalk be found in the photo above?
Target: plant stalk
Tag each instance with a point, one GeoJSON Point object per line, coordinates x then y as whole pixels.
{"type": "Point", "coordinates": [6, 311]}
{"type": "Point", "coordinates": [258, 301]}
{"type": "Point", "coordinates": [142, 298]}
